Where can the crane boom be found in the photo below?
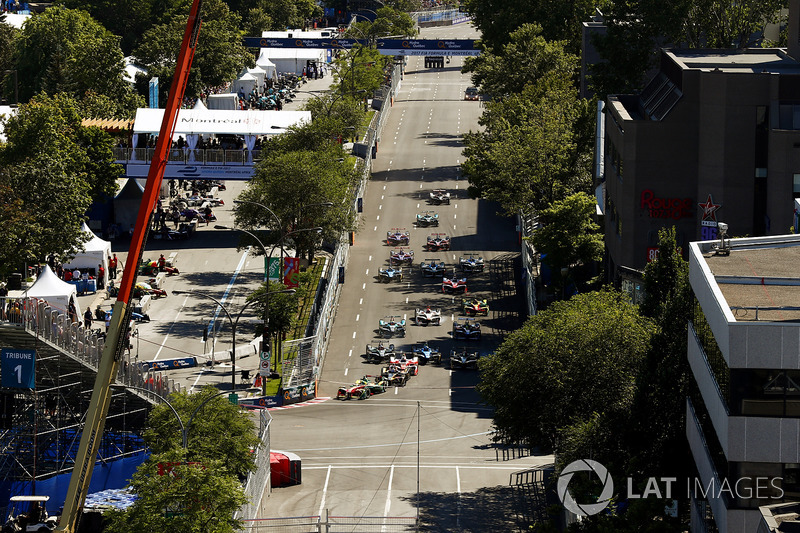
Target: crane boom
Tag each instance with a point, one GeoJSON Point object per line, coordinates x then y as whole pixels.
{"type": "Point", "coordinates": [120, 317]}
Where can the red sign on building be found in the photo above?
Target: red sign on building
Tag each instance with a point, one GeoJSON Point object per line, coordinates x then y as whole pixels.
{"type": "Point", "coordinates": [674, 208]}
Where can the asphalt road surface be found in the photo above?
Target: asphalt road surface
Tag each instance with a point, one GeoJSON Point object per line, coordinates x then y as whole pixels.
{"type": "Point", "coordinates": [424, 447]}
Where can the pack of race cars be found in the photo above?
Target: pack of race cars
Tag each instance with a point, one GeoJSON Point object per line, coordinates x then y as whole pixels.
{"type": "Point", "coordinates": [398, 366]}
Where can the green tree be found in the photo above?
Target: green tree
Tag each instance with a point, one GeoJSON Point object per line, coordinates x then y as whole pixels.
{"type": "Point", "coordinates": [657, 431]}
{"type": "Point", "coordinates": [532, 150]}
{"type": "Point", "coordinates": [282, 311]}
{"type": "Point", "coordinates": [360, 69]}
{"type": "Point", "coordinates": [219, 56]}
{"type": "Point", "coordinates": [65, 50]}
{"type": "Point", "coordinates": [333, 116]}
{"type": "Point", "coordinates": [568, 236]}
{"type": "Point", "coordinates": [388, 22]}
{"type": "Point", "coordinates": [527, 57]}
{"type": "Point", "coordinates": [288, 181]}
{"type": "Point", "coordinates": [127, 18]}
{"type": "Point", "coordinates": [577, 358]}
{"type": "Point", "coordinates": [218, 430]}
{"type": "Point", "coordinates": [7, 35]}
{"type": "Point", "coordinates": [181, 497]}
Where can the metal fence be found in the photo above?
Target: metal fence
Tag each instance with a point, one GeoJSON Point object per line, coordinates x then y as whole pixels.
{"type": "Point", "coordinates": [198, 156]}
{"type": "Point", "coordinates": [258, 481]}
{"type": "Point", "coordinates": [333, 524]}
{"type": "Point", "coordinates": [54, 327]}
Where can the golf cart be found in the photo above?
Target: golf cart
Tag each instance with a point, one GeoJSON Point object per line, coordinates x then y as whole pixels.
{"type": "Point", "coordinates": [29, 514]}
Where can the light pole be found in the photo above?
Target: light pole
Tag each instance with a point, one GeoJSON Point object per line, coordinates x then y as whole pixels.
{"type": "Point", "coordinates": [233, 323]}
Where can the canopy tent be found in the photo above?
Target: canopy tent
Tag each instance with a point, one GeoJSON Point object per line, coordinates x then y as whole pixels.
{"type": "Point", "coordinates": [266, 65]}
{"type": "Point", "coordinates": [220, 121]}
{"type": "Point", "coordinates": [126, 204]}
{"type": "Point", "coordinates": [223, 102]}
{"type": "Point", "coordinates": [258, 73]}
{"type": "Point", "coordinates": [54, 291]}
{"type": "Point", "coordinates": [244, 85]}
{"type": "Point", "coordinates": [200, 105]}
{"type": "Point", "coordinates": [292, 60]}
{"type": "Point", "coordinates": [96, 252]}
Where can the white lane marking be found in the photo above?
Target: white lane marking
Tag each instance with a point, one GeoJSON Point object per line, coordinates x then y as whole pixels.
{"type": "Point", "coordinates": [406, 299]}
{"type": "Point", "coordinates": [345, 371]}
{"type": "Point", "coordinates": [357, 317]}
{"type": "Point", "coordinates": [366, 273]}
{"type": "Point", "coordinates": [380, 207]}
{"type": "Point", "coordinates": [364, 286]}
{"type": "Point", "coordinates": [370, 258]}
{"type": "Point", "coordinates": [379, 217]}
{"type": "Point", "coordinates": [354, 334]}
{"type": "Point", "coordinates": [375, 228]}
{"type": "Point", "coordinates": [381, 197]}
{"type": "Point", "coordinates": [455, 206]}
{"type": "Point", "coordinates": [396, 389]}
{"type": "Point", "coordinates": [455, 216]}
{"type": "Point", "coordinates": [324, 491]}
{"type": "Point", "coordinates": [384, 187]}
{"type": "Point", "coordinates": [360, 301]}
{"type": "Point", "coordinates": [458, 489]}
{"type": "Point", "coordinates": [417, 205]}
{"type": "Point", "coordinates": [350, 354]}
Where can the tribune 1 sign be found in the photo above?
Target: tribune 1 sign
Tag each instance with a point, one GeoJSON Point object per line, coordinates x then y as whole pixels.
{"type": "Point", "coordinates": [17, 368]}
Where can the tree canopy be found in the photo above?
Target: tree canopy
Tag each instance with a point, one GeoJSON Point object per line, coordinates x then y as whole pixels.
{"type": "Point", "coordinates": [577, 358]}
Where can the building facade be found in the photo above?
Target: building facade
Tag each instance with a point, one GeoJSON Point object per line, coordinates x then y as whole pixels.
{"type": "Point", "coordinates": [743, 410]}
{"type": "Point", "coordinates": [715, 136]}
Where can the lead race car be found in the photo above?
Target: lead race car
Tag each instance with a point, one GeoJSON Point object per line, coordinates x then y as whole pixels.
{"type": "Point", "coordinates": [397, 237]}
{"type": "Point", "coordinates": [410, 364]}
{"type": "Point", "coordinates": [390, 273]}
{"type": "Point", "coordinates": [475, 307]}
{"type": "Point", "coordinates": [428, 315]}
{"type": "Point", "coordinates": [466, 329]}
{"type": "Point", "coordinates": [379, 353]}
{"type": "Point", "coordinates": [454, 285]}
{"type": "Point", "coordinates": [464, 359]}
{"type": "Point", "coordinates": [431, 268]}
{"type": "Point", "coordinates": [438, 242]}
{"type": "Point", "coordinates": [363, 388]}
{"type": "Point", "coordinates": [428, 219]}
{"type": "Point", "coordinates": [390, 326]}
{"type": "Point", "coordinates": [398, 256]}
{"type": "Point", "coordinates": [439, 197]}
{"type": "Point", "coordinates": [426, 353]}
{"type": "Point", "coordinates": [471, 263]}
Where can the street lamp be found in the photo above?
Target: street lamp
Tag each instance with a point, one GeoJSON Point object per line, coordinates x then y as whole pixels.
{"type": "Point", "coordinates": [233, 323]}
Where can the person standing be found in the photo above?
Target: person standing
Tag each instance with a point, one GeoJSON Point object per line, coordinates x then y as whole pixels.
{"type": "Point", "coordinates": [87, 318]}
{"type": "Point", "coordinates": [101, 276]}
{"type": "Point", "coordinates": [112, 267]}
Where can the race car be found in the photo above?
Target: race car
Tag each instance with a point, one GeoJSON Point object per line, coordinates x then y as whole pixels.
{"type": "Point", "coordinates": [427, 354]}
{"type": "Point", "coordinates": [363, 388]}
{"type": "Point", "coordinates": [464, 359]}
{"type": "Point", "coordinates": [475, 307]}
{"type": "Point", "coordinates": [427, 218]}
{"type": "Point", "coordinates": [471, 263]}
{"type": "Point", "coordinates": [431, 268]}
{"type": "Point", "coordinates": [467, 329]}
{"type": "Point", "coordinates": [143, 288]}
{"type": "Point", "coordinates": [438, 241]}
{"type": "Point", "coordinates": [379, 353]}
{"type": "Point", "coordinates": [428, 315]}
{"type": "Point", "coordinates": [395, 376]}
{"type": "Point", "coordinates": [411, 364]}
{"type": "Point", "coordinates": [389, 273]}
{"type": "Point", "coordinates": [439, 197]}
{"type": "Point", "coordinates": [454, 285]}
{"type": "Point", "coordinates": [392, 325]}
{"type": "Point", "coordinates": [397, 237]}
{"type": "Point", "coordinates": [398, 256]}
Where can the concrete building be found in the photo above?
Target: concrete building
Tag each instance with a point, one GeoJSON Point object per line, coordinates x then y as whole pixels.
{"type": "Point", "coordinates": [743, 411]}
{"type": "Point", "coordinates": [714, 136]}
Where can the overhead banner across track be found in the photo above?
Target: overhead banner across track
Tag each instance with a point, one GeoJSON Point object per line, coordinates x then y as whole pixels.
{"type": "Point", "coordinates": [390, 47]}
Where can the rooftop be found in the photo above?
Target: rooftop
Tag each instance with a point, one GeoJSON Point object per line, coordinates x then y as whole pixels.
{"type": "Point", "coordinates": [750, 60]}
{"type": "Point", "coordinates": [760, 278]}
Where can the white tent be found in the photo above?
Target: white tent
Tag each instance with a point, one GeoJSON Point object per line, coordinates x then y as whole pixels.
{"type": "Point", "coordinates": [96, 252]}
{"type": "Point", "coordinates": [244, 85]}
{"type": "Point", "coordinates": [54, 291]}
{"type": "Point", "coordinates": [200, 105]}
{"type": "Point", "coordinates": [258, 73]}
{"type": "Point", "coordinates": [292, 60]}
{"type": "Point", "coordinates": [266, 65]}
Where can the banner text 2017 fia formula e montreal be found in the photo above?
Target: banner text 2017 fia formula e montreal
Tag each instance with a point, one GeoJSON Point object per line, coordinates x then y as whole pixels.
{"type": "Point", "coordinates": [391, 47]}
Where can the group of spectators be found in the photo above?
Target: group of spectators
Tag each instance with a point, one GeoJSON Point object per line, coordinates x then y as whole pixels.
{"type": "Point", "coordinates": [15, 6]}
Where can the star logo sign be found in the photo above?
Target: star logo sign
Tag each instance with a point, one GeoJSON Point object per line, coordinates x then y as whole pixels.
{"type": "Point", "coordinates": [709, 209]}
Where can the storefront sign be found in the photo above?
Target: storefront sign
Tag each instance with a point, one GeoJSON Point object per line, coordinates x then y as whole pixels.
{"type": "Point", "coordinates": [674, 208]}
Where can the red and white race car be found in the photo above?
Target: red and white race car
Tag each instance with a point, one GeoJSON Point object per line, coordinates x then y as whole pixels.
{"type": "Point", "coordinates": [428, 315]}
{"type": "Point", "coordinates": [410, 364]}
{"type": "Point", "coordinates": [438, 241]}
{"type": "Point", "coordinates": [398, 256]}
{"type": "Point", "coordinates": [397, 237]}
{"type": "Point", "coordinates": [454, 285]}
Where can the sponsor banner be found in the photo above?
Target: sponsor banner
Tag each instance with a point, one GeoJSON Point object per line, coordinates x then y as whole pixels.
{"type": "Point", "coordinates": [291, 272]}
{"type": "Point", "coordinates": [228, 172]}
{"type": "Point", "coordinates": [299, 394]}
{"type": "Point", "coordinates": [18, 368]}
{"type": "Point", "coordinates": [286, 42]}
{"type": "Point", "coordinates": [393, 47]}
{"type": "Point", "coordinates": [263, 401]}
{"type": "Point", "coordinates": [274, 268]}
{"type": "Point", "coordinates": [171, 364]}
{"type": "Point", "coordinates": [444, 47]}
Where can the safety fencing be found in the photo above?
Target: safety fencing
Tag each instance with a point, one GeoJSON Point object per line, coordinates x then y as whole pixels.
{"type": "Point", "coordinates": [258, 481]}
{"type": "Point", "coordinates": [54, 327]}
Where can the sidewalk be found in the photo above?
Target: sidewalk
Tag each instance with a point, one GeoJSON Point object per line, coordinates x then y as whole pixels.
{"type": "Point", "coordinates": [305, 91]}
